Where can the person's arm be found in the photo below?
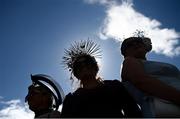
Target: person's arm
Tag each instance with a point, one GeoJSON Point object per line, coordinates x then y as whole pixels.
{"type": "Point", "coordinates": [67, 107]}
{"type": "Point", "coordinates": [130, 107]}
{"type": "Point", "coordinates": [133, 71]}
{"type": "Point", "coordinates": [125, 101]}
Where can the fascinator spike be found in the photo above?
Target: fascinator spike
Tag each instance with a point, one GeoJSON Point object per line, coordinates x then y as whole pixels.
{"type": "Point", "coordinates": [84, 47]}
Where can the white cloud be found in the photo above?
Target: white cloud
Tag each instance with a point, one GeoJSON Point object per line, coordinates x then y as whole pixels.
{"type": "Point", "coordinates": [15, 109]}
{"type": "Point", "coordinates": [122, 20]}
{"type": "Point", "coordinates": [103, 2]}
{"type": "Point", "coordinates": [107, 2]}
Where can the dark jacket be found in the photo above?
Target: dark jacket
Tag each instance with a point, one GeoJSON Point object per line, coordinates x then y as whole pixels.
{"type": "Point", "coordinates": [109, 100]}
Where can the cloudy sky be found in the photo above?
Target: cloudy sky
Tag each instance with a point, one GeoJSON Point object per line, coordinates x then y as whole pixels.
{"type": "Point", "coordinates": [34, 34]}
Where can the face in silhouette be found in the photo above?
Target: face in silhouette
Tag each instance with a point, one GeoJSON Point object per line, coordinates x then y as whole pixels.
{"type": "Point", "coordinates": [139, 50]}
{"type": "Point", "coordinates": [136, 49]}
{"type": "Point", "coordinates": [38, 98]}
{"type": "Point", "coordinates": [85, 67]}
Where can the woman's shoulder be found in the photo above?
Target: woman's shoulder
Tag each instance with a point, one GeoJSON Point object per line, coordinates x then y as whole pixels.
{"type": "Point", "coordinates": [117, 87]}
{"type": "Point", "coordinates": [113, 84]}
{"type": "Point", "coordinates": [52, 114]}
{"type": "Point", "coordinates": [75, 93]}
{"type": "Point", "coordinates": [114, 81]}
{"type": "Point", "coordinates": [70, 97]}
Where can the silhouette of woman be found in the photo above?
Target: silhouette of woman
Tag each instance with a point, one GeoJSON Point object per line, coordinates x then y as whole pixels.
{"type": "Point", "coordinates": [44, 96]}
{"type": "Point", "coordinates": [95, 97]}
{"type": "Point", "coordinates": [158, 79]}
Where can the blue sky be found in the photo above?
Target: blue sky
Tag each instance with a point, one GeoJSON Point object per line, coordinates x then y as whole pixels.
{"type": "Point", "coordinates": [34, 34]}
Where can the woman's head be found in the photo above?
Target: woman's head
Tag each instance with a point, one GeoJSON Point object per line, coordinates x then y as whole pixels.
{"type": "Point", "coordinates": [137, 45]}
{"type": "Point", "coordinates": [44, 93]}
{"type": "Point", "coordinates": [85, 66]}
{"type": "Point", "coordinates": [39, 98]}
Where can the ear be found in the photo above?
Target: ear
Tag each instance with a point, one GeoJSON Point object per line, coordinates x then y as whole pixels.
{"type": "Point", "coordinates": [128, 51]}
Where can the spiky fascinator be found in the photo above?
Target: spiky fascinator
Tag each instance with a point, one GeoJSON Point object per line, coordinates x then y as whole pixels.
{"type": "Point", "coordinates": [78, 49]}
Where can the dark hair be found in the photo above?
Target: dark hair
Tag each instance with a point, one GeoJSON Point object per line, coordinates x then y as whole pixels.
{"type": "Point", "coordinates": [85, 59]}
{"type": "Point", "coordinates": [131, 40]}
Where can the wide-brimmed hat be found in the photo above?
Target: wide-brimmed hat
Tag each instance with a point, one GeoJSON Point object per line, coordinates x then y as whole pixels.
{"type": "Point", "coordinates": [51, 85]}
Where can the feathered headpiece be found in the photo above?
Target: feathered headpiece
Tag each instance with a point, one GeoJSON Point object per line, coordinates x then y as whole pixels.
{"type": "Point", "coordinates": [78, 49]}
{"type": "Point", "coordinates": [139, 36]}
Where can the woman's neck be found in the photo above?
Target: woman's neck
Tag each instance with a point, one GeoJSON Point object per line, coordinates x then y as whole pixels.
{"type": "Point", "coordinates": [90, 83]}
{"type": "Point", "coordinates": [142, 58]}
{"type": "Point", "coordinates": [137, 57]}
{"type": "Point", "coordinates": [39, 113]}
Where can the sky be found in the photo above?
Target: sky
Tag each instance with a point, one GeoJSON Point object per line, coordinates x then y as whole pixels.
{"type": "Point", "coordinates": [34, 34]}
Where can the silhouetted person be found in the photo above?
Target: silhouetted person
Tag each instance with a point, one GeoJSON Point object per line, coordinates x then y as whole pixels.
{"type": "Point", "coordinates": [157, 79]}
{"type": "Point", "coordinates": [95, 97]}
{"type": "Point", "coordinates": [44, 97]}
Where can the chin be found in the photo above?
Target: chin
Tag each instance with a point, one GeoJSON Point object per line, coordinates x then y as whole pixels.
{"type": "Point", "coordinates": [33, 108]}
{"type": "Point", "coordinates": [140, 56]}
{"type": "Point", "coordinates": [84, 76]}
